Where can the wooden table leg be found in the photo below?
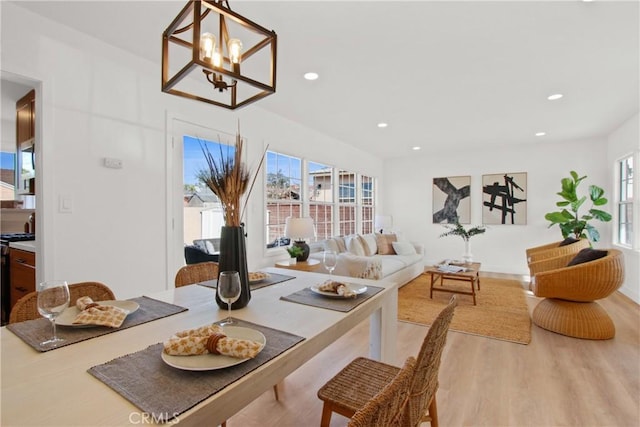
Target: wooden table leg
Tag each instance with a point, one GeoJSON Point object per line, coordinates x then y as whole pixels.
{"type": "Point", "coordinates": [473, 290]}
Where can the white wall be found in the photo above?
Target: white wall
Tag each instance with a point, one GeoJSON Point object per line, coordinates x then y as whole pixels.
{"type": "Point", "coordinates": [99, 101]}
{"type": "Point", "coordinates": [408, 197]}
{"type": "Point", "coordinates": [622, 142]}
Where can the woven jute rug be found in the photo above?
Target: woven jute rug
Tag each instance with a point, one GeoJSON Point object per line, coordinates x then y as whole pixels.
{"type": "Point", "coordinates": [501, 311]}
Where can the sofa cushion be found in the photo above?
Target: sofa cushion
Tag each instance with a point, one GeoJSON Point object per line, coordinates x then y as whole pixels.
{"type": "Point", "coordinates": [370, 245]}
{"type": "Point", "coordinates": [331, 245]}
{"type": "Point", "coordinates": [342, 247]}
{"type": "Point", "coordinates": [383, 242]}
{"type": "Point", "coordinates": [586, 255]}
{"type": "Point", "coordinates": [403, 248]}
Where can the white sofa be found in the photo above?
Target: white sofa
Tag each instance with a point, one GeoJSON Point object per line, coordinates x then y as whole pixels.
{"type": "Point", "coordinates": [375, 256]}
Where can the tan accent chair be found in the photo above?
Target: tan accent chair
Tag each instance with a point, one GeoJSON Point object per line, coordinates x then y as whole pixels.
{"type": "Point", "coordinates": [552, 250]}
{"type": "Point", "coordinates": [350, 389]}
{"type": "Point", "coordinates": [26, 308]}
{"type": "Point", "coordinates": [196, 273]}
{"type": "Point", "coordinates": [386, 409]}
{"type": "Point", "coordinates": [569, 307]}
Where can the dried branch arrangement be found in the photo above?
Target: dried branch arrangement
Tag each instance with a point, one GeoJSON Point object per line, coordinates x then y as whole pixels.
{"type": "Point", "coordinates": [228, 178]}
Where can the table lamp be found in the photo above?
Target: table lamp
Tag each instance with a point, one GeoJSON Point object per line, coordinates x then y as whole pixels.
{"type": "Point", "coordinates": [300, 229]}
{"type": "Point", "coordinates": [383, 222]}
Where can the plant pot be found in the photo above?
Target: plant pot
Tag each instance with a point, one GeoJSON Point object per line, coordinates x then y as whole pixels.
{"type": "Point", "coordinates": [233, 257]}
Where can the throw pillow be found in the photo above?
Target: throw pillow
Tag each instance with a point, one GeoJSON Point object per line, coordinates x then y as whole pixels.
{"type": "Point", "coordinates": [586, 255]}
{"type": "Point", "coordinates": [568, 241]}
{"type": "Point", "coordinates": [354, 245]}
{"type": "Point", "coordinates": [370, 246]}
{"type": "Point", "coordinates": [384, 241]}
{"type": "Point", "coordinates": [342, 247]}
{"type": "Point", "coordinates": [331, 245]}
{"type": "Point", "coordinates": [403, 248]}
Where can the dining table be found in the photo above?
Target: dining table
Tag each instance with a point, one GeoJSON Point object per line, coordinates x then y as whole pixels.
{"type": "Point", "coordinates": [56, 388]}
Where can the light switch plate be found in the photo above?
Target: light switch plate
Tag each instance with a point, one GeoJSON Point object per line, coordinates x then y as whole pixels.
{"type": "Point", "coordinates": [65, 204]}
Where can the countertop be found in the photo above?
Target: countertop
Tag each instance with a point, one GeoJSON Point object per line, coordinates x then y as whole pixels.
{"type": "Point", "coordinates": [28, 245]}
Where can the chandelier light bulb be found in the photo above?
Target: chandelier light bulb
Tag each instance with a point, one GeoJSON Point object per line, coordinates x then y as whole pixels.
{"type": "Point", "coordinates": [207, 46]}
{"type": "Point", "coordinates": [217, 58]}
{"type": "Point", "coordinates": [235, 48]}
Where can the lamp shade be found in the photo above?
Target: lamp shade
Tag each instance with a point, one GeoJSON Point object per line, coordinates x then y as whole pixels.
{"type": "Point", "coordinates": [383, 222]}
{"type": "Point", "coordinates": [299, 228]}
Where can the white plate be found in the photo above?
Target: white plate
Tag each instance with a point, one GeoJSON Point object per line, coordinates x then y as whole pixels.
{"type": "Point", "coordinates": [208, 362]}
{"type": "Point", "coordinates": [262, 277]}
{"type": "Point", "coordinates": [358, 289]}
{"type": "Point", "coordinates": [69, 315]}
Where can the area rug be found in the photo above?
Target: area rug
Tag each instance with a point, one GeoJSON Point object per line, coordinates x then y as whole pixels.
{"type": "Point", "coordinates": [501, 311]}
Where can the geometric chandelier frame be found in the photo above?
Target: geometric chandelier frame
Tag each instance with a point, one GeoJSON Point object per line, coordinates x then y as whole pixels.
{"type": "Point", "coordinates": [202, 57]}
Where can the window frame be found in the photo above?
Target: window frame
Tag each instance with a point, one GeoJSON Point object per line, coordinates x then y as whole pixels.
{"type": "Point", "coordinates": [624, 183]}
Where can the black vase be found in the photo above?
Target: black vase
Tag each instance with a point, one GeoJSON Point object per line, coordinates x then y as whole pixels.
{"type": "Point", "coordinates": [233, 257]}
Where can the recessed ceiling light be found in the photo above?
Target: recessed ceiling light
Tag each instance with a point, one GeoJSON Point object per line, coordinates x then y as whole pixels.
{"type": "Point", "coordinates": [382, 125]}
{"type": "Point", "coordinates": [555, 96]}
{"type": "Point", "coordinates": [541, 133]}
{"type": "Point", "coordinates": [415, 148]}
{"type": "Point", "coordinates": [311, 76]}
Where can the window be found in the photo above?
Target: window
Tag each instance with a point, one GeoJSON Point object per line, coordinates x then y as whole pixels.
{"type": "Point", "coordinates": [203, 216]}
{"type": "Point", "coordinates": [625, 203]}
{"type": "Point", "coordinates": [8, 165]}
{"type": "Point", "coordinates": [347, 202]}
{"type": "Point", "coordinates": [367, 204]}
{"type": "Point", "coordinates": [320, 195]}
{"type": "Point", "coordinates": [340, 202]}
{"type": "Point", "coordinates": [283, 188]}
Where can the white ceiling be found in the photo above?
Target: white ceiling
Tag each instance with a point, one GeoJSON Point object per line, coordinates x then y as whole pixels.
{"type": "Point", "coordinates": [443, 74]}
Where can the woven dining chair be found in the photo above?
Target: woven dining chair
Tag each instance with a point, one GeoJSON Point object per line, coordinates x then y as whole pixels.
{"type": "Point", "coordinates": [195, 273]}
{"type": "Point", "coordinates": [386, 409]}
{"type": "Point", "coordinates": [350, 389]}
{"type": "Point", "coordinates": [26, 308]}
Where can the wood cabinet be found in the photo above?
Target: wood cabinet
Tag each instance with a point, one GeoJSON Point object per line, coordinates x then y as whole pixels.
{"type": "Point", "coordinates": [22, 268]}
{"type": "Point", "coordinates": [26, 118]}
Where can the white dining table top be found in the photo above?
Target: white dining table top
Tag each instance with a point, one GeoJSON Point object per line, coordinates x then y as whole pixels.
{"type": "Point", "coordinates": [54, 388]}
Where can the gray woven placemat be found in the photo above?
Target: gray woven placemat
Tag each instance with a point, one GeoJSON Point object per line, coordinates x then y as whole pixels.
{"type": "Point", "coordinates": [272, 280]}
{"type": "Point", "coordinates": [308, 297]}
{"type": "Point", "coordinates": [166, 392]}
{"type": "Point", "coordinates": [33, 332]}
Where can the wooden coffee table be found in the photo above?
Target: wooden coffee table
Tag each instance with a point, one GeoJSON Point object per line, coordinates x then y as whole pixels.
{"type": "Point", "coordinates": [470, 275]}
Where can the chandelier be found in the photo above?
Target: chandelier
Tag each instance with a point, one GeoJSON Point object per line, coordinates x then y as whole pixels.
{"type": "Point", "coordinates": [214, 55]}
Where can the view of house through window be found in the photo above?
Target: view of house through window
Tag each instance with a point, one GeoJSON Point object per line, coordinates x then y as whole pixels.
{"type": "Point", "coordinates": [625, 202]}
{"type": "Point", "coordinates": [203, 216]}
{"type": "Point", "coordinates": [290, 192]}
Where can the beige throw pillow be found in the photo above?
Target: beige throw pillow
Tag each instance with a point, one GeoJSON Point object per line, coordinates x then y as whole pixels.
{"type": "Point", "coordinates": [354, 245]}
{"type": "Point", "coordinates": [384, 243]}
{"type": "Point", "coordinates": [370, 245]}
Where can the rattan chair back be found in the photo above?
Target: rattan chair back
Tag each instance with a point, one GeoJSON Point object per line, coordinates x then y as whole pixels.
{"type": "Point", "coordinates": [195, 273]}
{"type": "Point", "coordinates": [26, 308]}
{"type": "Point", "coordinates": [386, 408]}
{"type": "Point", "coordinates": [425, 380]}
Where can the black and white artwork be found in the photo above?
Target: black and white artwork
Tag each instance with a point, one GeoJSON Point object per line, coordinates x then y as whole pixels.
{"type": "Point", "coordinates": [451, 201]}
{"type": "Point", "coordinates": [504, 198]}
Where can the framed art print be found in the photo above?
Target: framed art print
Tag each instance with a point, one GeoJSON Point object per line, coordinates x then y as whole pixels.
{"type": "Point", "coordinates": [504, 198]}
{"type": "Point", "coordinates": [451, 201]}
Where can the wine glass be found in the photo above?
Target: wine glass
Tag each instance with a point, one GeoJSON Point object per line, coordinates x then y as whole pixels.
{"type": "Point", "coordinates": [53, 299]}
{"type": "Point", "coordinates": [229, 291]}
{"type": "Point", "coordinates": [330, 259]}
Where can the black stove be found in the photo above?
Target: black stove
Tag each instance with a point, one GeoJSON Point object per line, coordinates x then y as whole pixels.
{"type": "Point", "coordinates": [16, 237]}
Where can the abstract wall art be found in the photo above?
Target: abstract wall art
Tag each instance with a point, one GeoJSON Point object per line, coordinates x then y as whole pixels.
{"type": "Point", "coordinates": [451, 201]}
{"type": "Point", "coordinates": [504, 198]}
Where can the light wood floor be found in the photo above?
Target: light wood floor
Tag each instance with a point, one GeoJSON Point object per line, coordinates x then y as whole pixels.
{"type": "Point", "coordinates": [554, 381]}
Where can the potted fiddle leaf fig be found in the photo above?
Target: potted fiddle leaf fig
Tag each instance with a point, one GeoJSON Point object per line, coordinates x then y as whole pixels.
{"type": "Point", "coordinates": [569, 219]}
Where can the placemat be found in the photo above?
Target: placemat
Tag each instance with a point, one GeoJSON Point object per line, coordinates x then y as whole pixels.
{"type": "Point", "coordinates": [272, 280]}
{"type": "Point", "coordinates": [306, 296]}
{"type": "Point", "coordinates": [166, 392]}
{"type": "Point", "coordinates": [33, 332]}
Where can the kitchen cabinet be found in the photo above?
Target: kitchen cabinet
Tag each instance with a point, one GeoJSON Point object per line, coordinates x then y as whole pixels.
{"type": "Point", "coordinates": [22, 271]}
{"type": "Point", "coordinates": [25, 140]}
{"type": "Point", "coordinates": [26, 118]}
